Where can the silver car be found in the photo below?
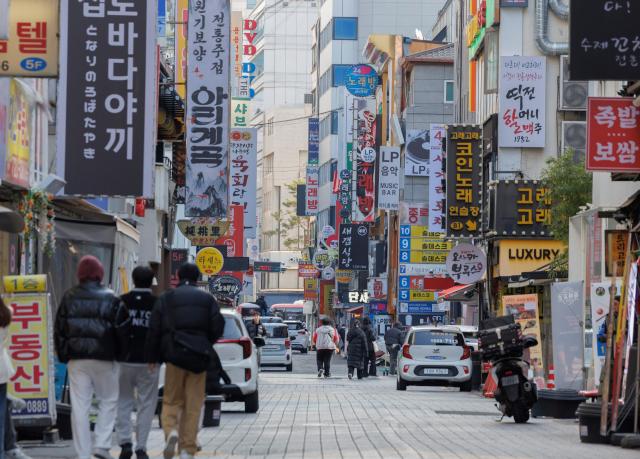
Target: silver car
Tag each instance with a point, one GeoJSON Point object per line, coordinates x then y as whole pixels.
{"type": "Point", "coordinates": [300, 336]}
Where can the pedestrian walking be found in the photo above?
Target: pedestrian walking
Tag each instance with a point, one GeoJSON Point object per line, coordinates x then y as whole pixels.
{"type": "Point", "coordinates": [325, 339]}
{"type": "Point", "coordinates": [11, 448]}
{"type": "Point", "coordinates": [356, 350]}
{"type": "Point", "coordinates": [370, 358]}
{"type": "Point", "coordinates": [85, 339]}
{"type": "Point", "coordinates": [185, 324]}
{"type": "Point", "coordinates": [255, 326]}
{"type": "Point", "coordinates": [264, 308]}
{"type": "Point", "coordinates": [138, 382]}
{"type": "Point", "coordinates": [393, 339]}
{"type": "Point", "coordinates": [6, 368]}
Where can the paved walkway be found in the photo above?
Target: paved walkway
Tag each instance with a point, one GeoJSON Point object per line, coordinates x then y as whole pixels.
{"type": "Point", "coordinates": [304, 417]}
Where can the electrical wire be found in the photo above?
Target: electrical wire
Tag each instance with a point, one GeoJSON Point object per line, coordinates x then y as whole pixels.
{"type": "Point", "coordinates": [300, 118]}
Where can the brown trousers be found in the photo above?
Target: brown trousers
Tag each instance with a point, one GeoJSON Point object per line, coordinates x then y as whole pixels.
{"type": "Point", "coordinates": [182, 403]}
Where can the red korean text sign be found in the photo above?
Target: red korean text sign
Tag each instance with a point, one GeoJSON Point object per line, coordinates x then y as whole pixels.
{"type": "Point", "coordinates": [613, 135]}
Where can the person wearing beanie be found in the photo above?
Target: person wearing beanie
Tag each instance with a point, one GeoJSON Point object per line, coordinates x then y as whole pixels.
{"type": "Point", "coordinates": [85, 339]}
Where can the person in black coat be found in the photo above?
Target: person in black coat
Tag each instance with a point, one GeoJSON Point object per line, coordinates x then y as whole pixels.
{"type": "Point", "coordinates": [264, 308]}
{"type": "Point", "coordinates": [393, 339]}
{"type": "Point", "coordinates": [370, 358]}
{"type": "Point", "coordinates": [356, 349]}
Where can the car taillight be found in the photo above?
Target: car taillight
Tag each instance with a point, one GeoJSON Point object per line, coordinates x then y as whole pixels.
{"type": "Point", "coordinates": [247, 374]}
{"type": "Point", "coordinates": [302, 332]}
{"type": "Point", "coordinates": [287, 343]}
{"type": "Point", "coordinates": [245, 342]}
{"type": "Point", "coordinates": [466, 353]}
{"type": "Point", "coordinates": [405, 352]}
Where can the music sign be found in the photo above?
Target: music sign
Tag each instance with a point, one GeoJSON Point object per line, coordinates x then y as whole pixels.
{"type": "Point", "coordinates": [466, 264]}
{"type": "Point", "coordinates": [613, 135]}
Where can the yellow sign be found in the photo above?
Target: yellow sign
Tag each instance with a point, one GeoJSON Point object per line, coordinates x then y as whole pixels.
{"type": "Point", "coordinates": [29, 352]}
{"type": "Point", "coordinates": [423, 231]}
{"type": "Point", "coordinates": [472, 30]}
{"type": "Point", "coordinates": [526, 255]}
{"type": "Point", "coordinates": [25, 284]}
{"type": "Point", "coordinates": [311, 289]}
{"type": "Point", "coordinates": [18, 141]}
{"type": "Point", "coordinates": [182, 17]}
{"type": "Point", "coordinates": [203, 231]}
{"type": "Point", "coordinates": [32, 47]}
{"type": "Point", "coordinates": [418, 256]}
{"type": "Point", "coordinates": [418, 295]}
{"type": "Point", "coordinates": [430, 244]}
{"type": "Point", "coordinates": [344, 276]}
{"type": "Point", "coordinates": [210, 261]}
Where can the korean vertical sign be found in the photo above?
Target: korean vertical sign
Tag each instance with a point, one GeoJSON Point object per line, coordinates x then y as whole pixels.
{"type": "Point", "coordinates": [464, 178]}
{"type": "Point", "coordinates": [436, 178]}
{"type": "Point", "coordinates": [365, 162]}
{"type": "Point", "coordinates": [313, 182]}
{"type": "Point", "coordinates": [106, 104]}
{"type": "Point", "coordinates": [389, 178]}
{"type": "Point", "coordinates": [243, 176]}
{"type": "Point", "coordinates": [314, 142]}
{"type": "Point", "coordinates": [30, 345]}
{"type": "Point", "coordinates": [613, 135]}
{"type": "Point", "coordinates": [208, 106]}
{"type": "Point", "coordinates": [523, 81]}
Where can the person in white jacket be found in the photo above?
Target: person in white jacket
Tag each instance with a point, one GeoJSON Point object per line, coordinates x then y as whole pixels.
{"type": "Point", "coordinates": [6, 368]}
{"type": "Point", "coordinates": [325, 340]}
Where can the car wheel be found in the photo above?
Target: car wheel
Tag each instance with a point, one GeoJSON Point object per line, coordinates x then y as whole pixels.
{"type": "Point", "coordinates": [465, 386]}
{"type": "Point", "coordinates": [290, 367]}
{"type": "Point", "coordinates": [401, 384]}
{"type": "Point", "coordinates": [251, 403]}
{"type": "Point", "coordinates": [304, 350]}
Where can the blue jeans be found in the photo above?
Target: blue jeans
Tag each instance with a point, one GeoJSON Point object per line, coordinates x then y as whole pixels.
{"type": "Point", "coordinates": [3, 407]}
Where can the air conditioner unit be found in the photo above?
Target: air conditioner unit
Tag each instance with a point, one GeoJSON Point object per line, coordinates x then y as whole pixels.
{"type": "Point", "coordinates": [574, 136]}
{"type": "Point", "coordinates": [573, 94]}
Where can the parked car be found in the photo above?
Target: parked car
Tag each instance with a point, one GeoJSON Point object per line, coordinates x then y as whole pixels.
{"type": "Point", "coordinates": [277, 349]}
{"type": "Point", "coordinates": [434, 356]}
{"type": "Point", "coordinates": [470, 333]}
{"type": "Point", "coordinates": [271, 320]}
{"type": "Point", "coordinates": [240, 361]}
{"type": "Point", "coordinates": [299, 335]}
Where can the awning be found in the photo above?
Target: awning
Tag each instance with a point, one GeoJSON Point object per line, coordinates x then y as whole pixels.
{"type": "Point", "coordinates": [350, 310]}
{"type": "Point", "coordinates": [10, 220]}
{"type": "Point", "coordinates": [458, 293]}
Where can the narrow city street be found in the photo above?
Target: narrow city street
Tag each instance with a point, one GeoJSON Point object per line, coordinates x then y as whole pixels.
{"type": "Point", "coordinates": [302, 416]}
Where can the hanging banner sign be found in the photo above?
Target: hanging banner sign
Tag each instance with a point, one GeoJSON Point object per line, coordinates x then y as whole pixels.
{"type": "Point", "coordinates": [29, 38]}
{"type": "Point", "coordinates": [180, 49]}
{"type": "Point", "coordinates": [567, 310]}
{"type": "Point", "coordinates": [234, 238]}
{"type": "Point", "coordinates": [19, 118]}
{"type": "Point", "coordinates": [239, 113]}
{"type": "Point", "coordinates": [354, 247]}
{"type": "Point", "coordinates": [615, 252]}
{"type": "Point", "coordinates": [613, 134]}
{"type": "Point", "coordinates": [466, 264]}
{"type": "Point", "coordinates": [243, 175]}
{"type": "Point", "coordinates": [523, 84]}
{"type": "Point", "coordinates": [106, 108]}
{"type": "Point", "coordinates": [389, 179]}
{"type": "Point", "coordinates": [208, 106]}
{"type": "Point", "coordinates": [314, 142]}
{"type": "Point", "coordinates": [377, 288]}
{"type": "Point", "coordinates": [417, 153]}
{"type": "Point", "coordinates": [364, 194]}
{"type": "Point", "coordinates": [311, 289]}
{"type": "Point", "coordinates": [438, 133]}
{"type": "Point", "coordinates": [313, 182]}
{"type": "Point", "coordinates": [464, 180]}
{"type": "Point", "coordinates": [361, 80]}
{"type": "Point", "coordinates": [236, 43]}
{"type": "Point", "coordinates": [203, 231]}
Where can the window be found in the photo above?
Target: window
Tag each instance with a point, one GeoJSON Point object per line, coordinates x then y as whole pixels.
{"type": "Point", "coordinates": [339, 73]}
{"type": "Point", "coordinates": [436, 338]}
{"type": "Point", "coordinates": [268, 164]}
{"type": "Point", "coordinates": [231, 328]}
{"type": "Point", "coordinates": [270, 126]}
{"type": "Point", "coordinates": [448, 92]}
{"type": "Point", "coordinates": [329, 124]}
{"type": "Point", "coordinates": [491, 61]}
{"type": "Point", "coordinates": [258, 61]}
{"type": "Point", "coordinates": [325, 82]}
{"type": "Point", "coordinates": [324, 174]}
{"type": "Point", "coordinates": [345, 28]}
{"type": "Point", "coordinates": [314, 57]}
{"type": "Point", "coordinates": [334, 122]}
{"type": "Point", "coordinates": [325, 36]}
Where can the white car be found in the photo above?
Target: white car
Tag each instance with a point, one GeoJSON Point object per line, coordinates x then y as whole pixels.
{"type": "Point", "coordinates": [277, 349]}
{"type": "Point", "coordinates": [434, 356]}
{"type": "Point", "coordinates": [300, 336]}
{"type": "Point", "coordinates": [470, 333]}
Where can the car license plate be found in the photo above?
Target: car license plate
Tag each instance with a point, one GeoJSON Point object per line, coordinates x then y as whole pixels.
{"type": "Point", "coordinates": [435, 371]}
{"type": "Point", "coordinates": [271, 348]}
{"type": "Point", "coordinates": [510, 380]}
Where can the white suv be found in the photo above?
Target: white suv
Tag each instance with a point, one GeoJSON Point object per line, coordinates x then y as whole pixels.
{"type": "Point", "coordinates": [434, 356]}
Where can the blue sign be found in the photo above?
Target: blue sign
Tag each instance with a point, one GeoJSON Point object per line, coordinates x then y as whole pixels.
{"type": "Point", "coordinates": [420, 308]}
{"type": "Point", "coordinates": [361, 80]}
{"type": "Point", "coordinates": [313, 158]}
{"type": "Point", "coordinates": [161, 26]}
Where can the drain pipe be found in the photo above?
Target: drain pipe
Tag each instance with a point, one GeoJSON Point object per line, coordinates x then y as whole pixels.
{"type": "Point", "coordinates": [559, 8]}
{"type": "Point", "coordinates": [548, 47]}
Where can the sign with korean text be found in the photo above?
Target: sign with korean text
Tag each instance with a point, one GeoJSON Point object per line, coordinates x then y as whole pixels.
{"type": "Point", "coordinates": [314, 142]}
{"type": "Point", "coordinates": [203, 231]}
{"type": "Point", "coordinates": [236, 43]}
{"type": "Point", "coordinates": [523, 82]}
{"type": "Point", "coordinates": [31, 354]}
{"type": "Point", "coordinates": [179, 171]}
{"type": "Point", "coordinates": [604, 32]}
{"type": "Point", "coordinates": [522, 208]}
{"type": "Point", "coordinates": [526, 255]}
{"type": "Point", "coordinates": [240, 113]}
{"type": "Point", "coordinates": [615, 252]}
{"type": "Point", "coordinates": [464, 179]}
{"type": "Point", "coordinates": [178, 258]}
{"type": "Point", "coordinates": [182, 18]}
{"type": "Point", "coordinates": [19, 122]}
{"type": "Point", "coordinates": [417, 153]}
{"type": "Point", "coordinates": [307, 271]}
{"type": "Point", "coordinates": [389, 178]}
{"type": "Point", "coordinates": [234, 238]}
{"type": "Point", "coordinates": [313, 182]}
{"type": "Point", "coordinates": [227, 286]}
{"type": "Point", "coordinates": [365, 163]}
{"type": "Point", "coordinates": [106, 106]}
{"type": "Point", "coordinates": [311, 289]}
{"type": "Point", "coordinates": [354, 247]}
{"type": "Point", "coordinates": [210, 261]}
{"type": "Point", "coordinates": [25, 284]}
{"type": "Point", "coordinates": [415, 214]}
{"type": "Point", "coordinates": [361, 80]}
{"type": "Point", "coordinates": [243, 175]}
{"type": "Point", "coordinates": [30, 45]}
{"type": "Point", "coordinates": [268, 267]}
{"type": "Point", "coordinates": [466, 264]}
{"type": "Point", "coordinates": [613, 134]}
{"type": "Point", "coordinates": [208, 106]}
{"type": "Point", "coordinates": [438, 133]}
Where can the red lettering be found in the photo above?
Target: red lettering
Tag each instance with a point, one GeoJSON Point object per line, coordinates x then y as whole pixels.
{"type": "Point", "coordinates": [250, 24]}
{"type": "Point", "coordinates": [249, 50]}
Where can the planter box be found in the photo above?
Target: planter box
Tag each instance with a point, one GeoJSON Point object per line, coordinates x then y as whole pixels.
{"type": "Point", "coordinates": [559, 404]}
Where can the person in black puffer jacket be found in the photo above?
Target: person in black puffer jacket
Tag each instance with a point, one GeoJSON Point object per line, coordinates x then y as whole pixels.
{"type": "Point", "coordinates": [85, 339]}
{"type": "Point", "coordinates": [370, 358]}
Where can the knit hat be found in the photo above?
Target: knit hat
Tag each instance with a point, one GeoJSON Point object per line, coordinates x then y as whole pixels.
{"type": "Point", "coordinates": [90, 269]}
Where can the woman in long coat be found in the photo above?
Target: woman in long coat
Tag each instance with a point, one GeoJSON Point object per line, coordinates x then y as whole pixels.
{"type": "Point", "coordinates": [356, 349]}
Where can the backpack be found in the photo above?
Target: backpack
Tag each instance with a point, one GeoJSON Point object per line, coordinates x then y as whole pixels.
{"type": "Point", "coordinates": [324, 339]}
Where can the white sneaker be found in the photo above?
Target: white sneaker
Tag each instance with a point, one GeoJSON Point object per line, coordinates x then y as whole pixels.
{"type": "Point", "coordinates": [320, 373]}
{"type": "Point", "coordinates": [102, 453]}
{"type": "Point", "coordinates": [16, 453]}
{"type": "Point", "coordinates": [185, 455]}
{"type": "Point", "coordinates": [170, 445]}
{"type": "Point", "coordinates": [349, 375]}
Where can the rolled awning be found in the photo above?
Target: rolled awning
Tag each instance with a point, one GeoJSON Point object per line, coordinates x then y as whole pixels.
{"type": "Point", "coordinates": [350, 310]}
{"type": "Point", "coordinates": [457, 293]}
{"type": "Point", "coordinates": [10, 220]}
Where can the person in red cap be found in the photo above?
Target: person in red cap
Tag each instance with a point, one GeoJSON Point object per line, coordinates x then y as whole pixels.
{"type": "Point", "coordinates": [85, 339]}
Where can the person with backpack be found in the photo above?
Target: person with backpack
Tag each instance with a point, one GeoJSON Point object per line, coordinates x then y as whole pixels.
{"type": "Point", "coordinates": [138, 383]}
{"type": "Point", "coordinates": [325, 339]}
{"type": "Point", "coordinates": [393, 340]}
{"type": "Point", "coordinates": [185, 323]}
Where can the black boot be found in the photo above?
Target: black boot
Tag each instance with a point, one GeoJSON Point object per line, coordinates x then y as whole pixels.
{"type": "Point", "coordinates": [141, 454]}
{"type": "Point", "coordinates": [127, 451]}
